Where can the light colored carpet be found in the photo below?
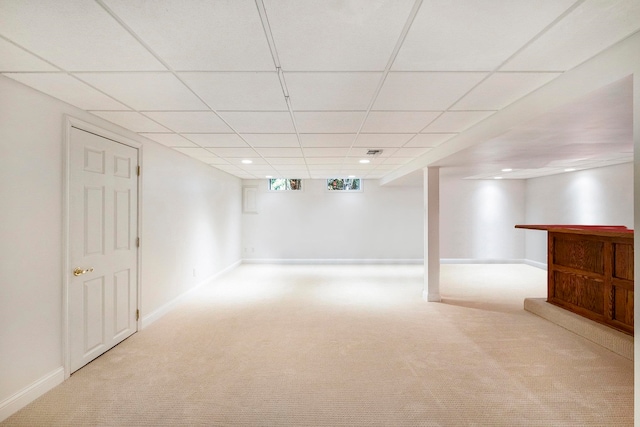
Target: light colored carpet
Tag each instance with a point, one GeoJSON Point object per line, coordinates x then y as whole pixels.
{"type": "Point", "coordinates": [350, 346]}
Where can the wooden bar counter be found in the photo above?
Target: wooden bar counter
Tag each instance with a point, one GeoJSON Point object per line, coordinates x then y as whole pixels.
{"type": "Point", "coordinates": [590, 272]}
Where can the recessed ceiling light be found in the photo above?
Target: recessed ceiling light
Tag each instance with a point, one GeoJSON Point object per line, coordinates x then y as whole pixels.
{"type": "Point", "coordinates": [364, 161]}
{"type": "Point", "coordinates": [497, 177]}
{"type": "Point", "coordinates": [247, 162]}
{"type": "Point", "coordinates": [268, 176]}
{"type": "Point", "coordinates": [569, 169]}
{"type": "Point", "coordinates": [351, 176]}
{"type": "Point", "coordinates": [507, 170]}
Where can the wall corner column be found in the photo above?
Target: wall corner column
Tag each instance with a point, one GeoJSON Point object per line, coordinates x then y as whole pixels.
{"type": "Point", "coordinates": [431, 290]}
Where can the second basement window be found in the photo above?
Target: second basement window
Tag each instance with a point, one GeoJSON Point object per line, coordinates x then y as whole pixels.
{"type": "Point", "coordinates": [344, 184]}
{"type": "Point", "coordinates": [285, 184]}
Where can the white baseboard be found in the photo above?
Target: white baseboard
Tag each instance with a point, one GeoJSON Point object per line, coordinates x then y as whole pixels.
{"type": "Point", "coordinates": [431, 297]}
{"type": "Point", "coordinates": [480, 261]}
{"type": "Point", "coordinates": [532, 263]}
{"type": "Point", "coordinates": [22, 398]}
{"type": "Point", "coordinates": [331, 261]}
{"type": "Point", "coordinates": [164, 309]}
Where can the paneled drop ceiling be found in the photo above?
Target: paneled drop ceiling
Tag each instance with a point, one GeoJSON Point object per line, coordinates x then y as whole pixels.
{"type": "Point", "coordinates": [304, 88]}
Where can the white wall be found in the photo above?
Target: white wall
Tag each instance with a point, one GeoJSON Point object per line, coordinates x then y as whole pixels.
{"type": "Point", "coordinates": [191, 218]}
{"type": "Point", "coordinates": [379, 223]}
{"type": "Point", "coordinates": [477, 218]}
{"type": "Point", "coordinates": [602, 196]}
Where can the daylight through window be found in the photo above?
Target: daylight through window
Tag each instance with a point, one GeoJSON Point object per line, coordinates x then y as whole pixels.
{"type": "Point", "coordinates": [285, 184]}
{"type": "Point", "coordinates": [341, 184]}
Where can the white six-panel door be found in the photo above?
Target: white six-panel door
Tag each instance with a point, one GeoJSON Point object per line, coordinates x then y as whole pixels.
{"type": "Point", "coordinates": [103, 202]}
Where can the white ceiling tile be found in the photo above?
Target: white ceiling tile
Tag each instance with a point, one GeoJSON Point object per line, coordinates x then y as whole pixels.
{"type": "Point", "coordinates": [297, 174]}
{"type": "Point", "coordinates": [286, 161]}
{"type": "Point", "coordinates": [357, 167]}
{"type": "Point", "coordinates": [191, 121]}
{"type": "Point", "coordinates": [259, 121]}
{"type": "Point", "coordinates": [256, 162]}
{"type": "Point", "coordinates": [325, 152]}
{"type": "Point", "coordinates": [586, 31]}
{"type": "Point", "coordinates": [329, 121]}
{"type": "Point", "coordinates": [271, 139]}
{"type": "Point", "coordinates": [473, 36]}
{"type": "Point", "coordinates": [245, 176]}
{"type": "Point", "coordinates": [325, 168]}
{"type": "Point", "coordinates": [216, 139]}
{"type": "Point", "coordinates": [351, 35]}
{"type": "Point", "coordinates": [385, 167]}
{"type": "Point", "coordinates": [288, 167]}
{"type": "Point", "coordinates": [229, 168]}
{"type": "Point", "coordinates": [457, 121]}
{"type": "Point", "coordinates": [424, 91]}
{"type": "Point", "coordinates": [411, 152]}
{"type": "Point", "coordinates": [354, 160]}
{"type": "Point", "coordinates": [217, 161]}
{"type": "Point", "coordinates": [200, 35]}
{"type": "Point", "coordinates": [255, 91]}
{"type": "Point", "coordinates": [133, 121]}
{"type": "Point", "coordinates": [76, 35]}
{"type": "Point", "coordinates": [262, 170]}
{"type": "Point", "coordinates": [68, 89]}
{"type": "Point", "coordinates": [319, 161]}
{"type": "Point", "coordinates": [13, 58]}
{"type": "Point", "coordinates": [327, 139]}
{"type": "Point", "coordinates": [361, 152]}
{"type": "Point", "coordinates": [429, 139]}
{"type": "Point", "coordinates": [396, 160]}
{"type": "Point", "coordinates": [169, 139]}
{"type": "Point", "coordinates": [246, 153]}
{"type": "Point", "coordinates": [145, 91]}
{"type": "Point", "coordinates": [195, 152]}
{"type": "Point", "coordinates": [279, 152]}
{"type": "Point", "coordinates": [501, 89]}
{"type": "Point", "coordinates": [376, 140]}
{"type": "Point", "coordinates": [331, 91]}
{"type": "Point", "coordinates": [398, 121]}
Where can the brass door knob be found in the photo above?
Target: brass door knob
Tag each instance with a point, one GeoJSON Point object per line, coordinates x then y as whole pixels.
{"type": "Point", "coordinates": [79, 272]}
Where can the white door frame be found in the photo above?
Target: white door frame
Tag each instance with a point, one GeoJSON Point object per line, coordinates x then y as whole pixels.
{"type": "Point", "coordinates": [73, 122]}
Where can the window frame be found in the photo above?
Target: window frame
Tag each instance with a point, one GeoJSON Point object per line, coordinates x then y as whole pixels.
{"type": "Point", "coordinates": [359, 190]}
{"type": "Point", "coordinates": [286, 190]}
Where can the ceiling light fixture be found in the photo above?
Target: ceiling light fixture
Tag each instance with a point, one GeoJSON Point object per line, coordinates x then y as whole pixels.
{"type": "Point", "coordinates": [507, 170]}
{"type": "Point", "coordinates": [497, 177]}
{"type": "Point", "coordinates": [268, 176]}
{"type": "Point", "coordinates": [569, 169]}
{"type": "Point", "coordinates": [247, 162]}
{"type": "Point", "coordinates": [351, 176]}
{"type": "Point", "coordinates": [365, 161]}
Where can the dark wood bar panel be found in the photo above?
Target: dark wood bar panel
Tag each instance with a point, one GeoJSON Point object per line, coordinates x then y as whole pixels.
{"type": "Point", "coordinates": [590, 272]}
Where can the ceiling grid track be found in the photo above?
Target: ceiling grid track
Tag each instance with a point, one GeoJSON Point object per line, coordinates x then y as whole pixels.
{"type": "Point", "coordinates": [175, 74]}
{"type": "Point", "coordinates": [387, 69]}
{"type": "Point", "coordinates": [425, 82]}
{"type": "Point", "coordinates": [264, 19]}
{"type": "Point", "coordinates": [503, 63]}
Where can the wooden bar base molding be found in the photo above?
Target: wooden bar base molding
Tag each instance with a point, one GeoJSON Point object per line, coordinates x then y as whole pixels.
{"type": "Point", "coordinates": [590, 271]}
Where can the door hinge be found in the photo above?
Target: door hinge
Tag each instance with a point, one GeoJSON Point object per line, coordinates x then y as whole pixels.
{"type": "Point", "coordinates": [137, 315]}
{"type": "Point", "coordinates": [139, 170]}
{"type": "Point", "coordinates": [137, 242]}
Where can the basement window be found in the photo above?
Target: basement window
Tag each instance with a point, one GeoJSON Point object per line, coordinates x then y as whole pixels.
{"type": "Point", "coordinates": [344, 184]}
{"type": "Point", "coordinates": [285, 184]}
